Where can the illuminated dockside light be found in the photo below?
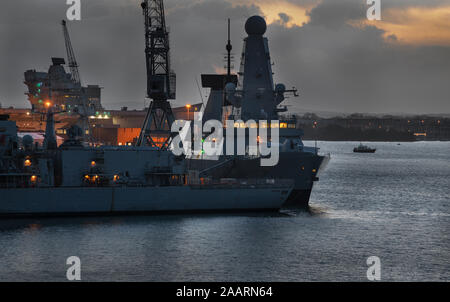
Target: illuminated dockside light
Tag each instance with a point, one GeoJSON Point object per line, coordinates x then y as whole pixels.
{"type": "Point", "coordinates": [420, 134]}
{"type": "Point", "coordinates": [33, 178]}
{"type": "Point", "coordinates": [27, 163]}
{"type": "Point", "coordinates": [91, 178]}
{"type": "Point", "coordinates": [101, 116]}
{"type": "Point", "coordinates": [281, 125]}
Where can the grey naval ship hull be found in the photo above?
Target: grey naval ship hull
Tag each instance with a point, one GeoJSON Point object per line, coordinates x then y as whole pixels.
{"type": "Point", "coordinates": [126, 200]}
{"type": "Point", "coordinates": [303, 167]}
{"type": "Point", "coordinates": [301, 194]}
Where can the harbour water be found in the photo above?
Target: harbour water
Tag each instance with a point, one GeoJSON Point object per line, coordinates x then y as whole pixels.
{"type": "Point", "coordinates": [394, 204]}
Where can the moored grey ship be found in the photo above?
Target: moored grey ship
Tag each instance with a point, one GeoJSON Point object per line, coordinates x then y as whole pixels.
{"type": "Point", "coordinates": [252, 96]}
{"type": "Point", "coordinates": [75, 178]}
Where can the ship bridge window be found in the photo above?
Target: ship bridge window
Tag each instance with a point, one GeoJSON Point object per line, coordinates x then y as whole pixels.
{"type": "Point", "coordinates": [283, 125]}
{"type": "Point", "coordinates": [239, 125]}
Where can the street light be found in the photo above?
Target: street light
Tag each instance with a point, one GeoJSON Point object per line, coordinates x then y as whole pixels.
{"type": "Point", "coordinates": [188, 106]}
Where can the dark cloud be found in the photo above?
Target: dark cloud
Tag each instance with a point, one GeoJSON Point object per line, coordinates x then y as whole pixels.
{"type": "Point", "coordinates": [284, 18]}
{"type": "Point", "coordinates": [337, 67]}
{"type": "Point", "coordinates": [337, 13]}
{"type": "Point", "coordinates": [342, 68]}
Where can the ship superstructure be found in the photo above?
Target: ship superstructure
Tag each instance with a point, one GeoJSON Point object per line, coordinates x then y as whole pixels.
{"type": "Point", "coordinates": [64, 91]}
{"type": "Point", "coordinates": [252, 95]}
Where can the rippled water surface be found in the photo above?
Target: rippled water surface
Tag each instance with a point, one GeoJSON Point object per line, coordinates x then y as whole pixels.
{"type": "Point", "coordinates": [394, 204]}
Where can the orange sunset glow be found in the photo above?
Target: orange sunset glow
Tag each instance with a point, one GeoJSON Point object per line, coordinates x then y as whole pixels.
{"type": "Point", "coordinates": [417, 25]}
{"type": "Point", "coordinates": [271, 10]}
{"type": "Point", "coordinates": [413, 25]}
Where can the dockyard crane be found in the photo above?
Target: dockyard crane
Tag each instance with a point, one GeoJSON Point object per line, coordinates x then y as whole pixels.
{"type": "Point", "coordinates": [73, 65]}
{"type": "Point", "coordinates": [84, 111]}
{"type": "Point", "coordinates": [161, 81]}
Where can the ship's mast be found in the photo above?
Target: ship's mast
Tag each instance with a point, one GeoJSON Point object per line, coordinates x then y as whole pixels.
{"type": "Point", "coordinates": [229, 49]}
{"type": "Point", "coordinates": [161, 81]}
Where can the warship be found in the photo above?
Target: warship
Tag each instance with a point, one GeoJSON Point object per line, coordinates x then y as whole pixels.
{"type": "Point", "coordinates": [73, 179]}
{"type": "Point", "coordinates": [76, 178]}
{"type": "Point", "coordinates": [251, 95]}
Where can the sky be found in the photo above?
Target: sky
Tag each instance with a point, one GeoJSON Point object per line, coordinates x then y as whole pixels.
{"type": "Point", "coordinates": [339, 61]}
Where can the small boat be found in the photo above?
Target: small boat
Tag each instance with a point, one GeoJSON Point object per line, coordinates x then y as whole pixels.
{"type": "Point", "coordinates": [364, 149]}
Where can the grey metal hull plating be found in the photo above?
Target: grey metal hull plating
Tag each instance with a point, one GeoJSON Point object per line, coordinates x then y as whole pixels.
{"type": "Point", "coordinates": [116, 200]}
{"type": "Point", "coordinates": [298, 166]}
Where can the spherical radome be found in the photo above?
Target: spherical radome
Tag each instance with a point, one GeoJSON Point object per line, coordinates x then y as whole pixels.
{"type": "Point", "coordinates": [256, 25]}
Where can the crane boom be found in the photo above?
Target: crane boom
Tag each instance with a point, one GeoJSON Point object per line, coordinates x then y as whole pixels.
{"type": "Point", "coordinates": [84, 109]}
{"type": "Point", "coordinates": [73, 65]}
{"type": "Point", "coordinates": [160, 79]}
